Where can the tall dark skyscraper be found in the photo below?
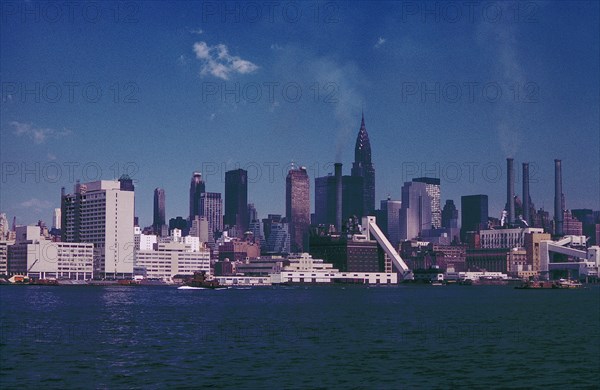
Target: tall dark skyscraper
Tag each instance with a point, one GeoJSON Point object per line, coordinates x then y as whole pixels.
{"type": "Point", "coordinates": [159, 210]}
{"type": "Point", "coordinates": [297, 208]}
{"type": "Point", "coordinates": [449, 215]}
{"type": "Point", "coordinates": [197, 187]}
{"type": "Point", "coordinates": [363, 167]}
{"type": "Point", "coordinates": [236, 199]}
{"type": "Point", "coordinates": [474, 212]}
{"type": "Point", "coordinates": [326, 199]}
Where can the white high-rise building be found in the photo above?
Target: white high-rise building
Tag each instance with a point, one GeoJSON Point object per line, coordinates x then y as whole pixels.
{"type": "Point", "coordinates": [4, 227]}
{"type": "Point", "coordinates": [56, 218]}
{"type": "Point", "coordinates": [4, 256]}
{"type": "Point", "coordinates": [102, 213]}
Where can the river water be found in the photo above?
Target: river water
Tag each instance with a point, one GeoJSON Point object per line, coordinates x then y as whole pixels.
{"type": "Point", "coordinates": [299, 337]}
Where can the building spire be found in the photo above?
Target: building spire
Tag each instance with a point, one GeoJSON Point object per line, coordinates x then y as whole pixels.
{"type": "Point", "coordinates": [363, 167]}
{"type": "Point", "coordinates": [362, 149]}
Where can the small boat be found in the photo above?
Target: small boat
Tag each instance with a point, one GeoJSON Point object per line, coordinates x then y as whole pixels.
{"type": "Point", "coordinates": [43, 282]}
{"type": "Point", "coordinates": [564, 283]}
{"type": "Point", "coordinates": [534, 285]}
{"type": "Point", "coordinates": [202, 282]}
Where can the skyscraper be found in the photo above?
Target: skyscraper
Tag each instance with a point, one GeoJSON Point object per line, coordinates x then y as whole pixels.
{"type": "Point", "coordinates": [363, 167]}
{"type": "Point", "coordinates": [101, 213]}
{"type": "Point", "coordinates": [297, 208]}
{"type": "Point", "coordinates": [415, 213]}
{"type": "Point", "coordinates": [449, 215]}
{"type": "Point", "coordinates": [432, 186]}
{"type": "Point", "coordinates": [236, 199]}
{"type": "Point", "coordinates": [390, 223]}
{"type": "Point", "coordinates": [56, 218]}
{"type": "Point", "coordinates": [211, 207]}
{"type": "Point", "coordinates": [326, 199]}
{"type": "Point", "coordinates": [197, 187]}
{"type": "Point", "coordinates": [252, 213]}
{"type": "Point", "coordinates": [474, 212]}
{"type": "Point", "coordinates": [159, 211]}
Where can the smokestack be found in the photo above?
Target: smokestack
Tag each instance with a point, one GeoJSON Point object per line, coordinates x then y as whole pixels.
{"type": "Point", "coordinates": [338, 196]}
{"type": "Point", "coordinates": [510, 190]}
{"type": "Point", "coordinates": [526, 192]}
{"type": "Point", "coordinates": [558, 211]}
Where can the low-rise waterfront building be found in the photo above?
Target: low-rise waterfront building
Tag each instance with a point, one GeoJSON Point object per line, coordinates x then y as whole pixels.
{"type": "Point", "coordinates": [518, 264]}
{"type": "Point", "coordinates": [303, 268]}
{"type": "Point", "coordinates": [173, 255]}
{"type": "Point", "coordinates": [490, 259]}
{"type": "Point", "coordinates": [505, 238]}
{"type": "Point", "coordinates": [37, 257]}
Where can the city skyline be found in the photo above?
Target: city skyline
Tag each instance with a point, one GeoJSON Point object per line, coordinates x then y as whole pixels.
{"type": "Point", "coordinates": [401, 69]}
{"type": "Point", "coordinates": [199, 188]}
{"type": "Point", "coordinates": [299, 194]}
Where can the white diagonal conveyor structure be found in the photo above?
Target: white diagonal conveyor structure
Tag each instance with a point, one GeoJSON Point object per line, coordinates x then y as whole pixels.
{"type": "Point", "coordinates": [591, 255]}
{"type": "Point", "coordinates": [371, 228]}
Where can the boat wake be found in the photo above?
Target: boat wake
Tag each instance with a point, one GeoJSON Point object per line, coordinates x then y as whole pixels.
{"type": "Point", "coordinates": [201, 288]}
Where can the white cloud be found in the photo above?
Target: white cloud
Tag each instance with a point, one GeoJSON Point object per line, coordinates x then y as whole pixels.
{"type": "Point", "coordinates": [217, 61]}
{"type": "Point", "coordinates": [380, 42]}
{"type": "Point", "coordinates": [197, 31]}
{"type": "Point", "coordinates": [39, 135]}
{"type": "Point", "coordinates": [202, 50]}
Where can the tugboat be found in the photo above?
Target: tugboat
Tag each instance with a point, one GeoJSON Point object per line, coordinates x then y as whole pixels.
{"type": "Point", "coordinates": [562, 283]}
{"type": "Point", "coordinates": [202, 282]}
{"type": "Point", "coordinates": [534, 284]}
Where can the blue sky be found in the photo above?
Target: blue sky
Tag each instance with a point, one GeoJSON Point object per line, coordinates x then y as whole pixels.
{"type": "Point", "coordinates": [159, 90]}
